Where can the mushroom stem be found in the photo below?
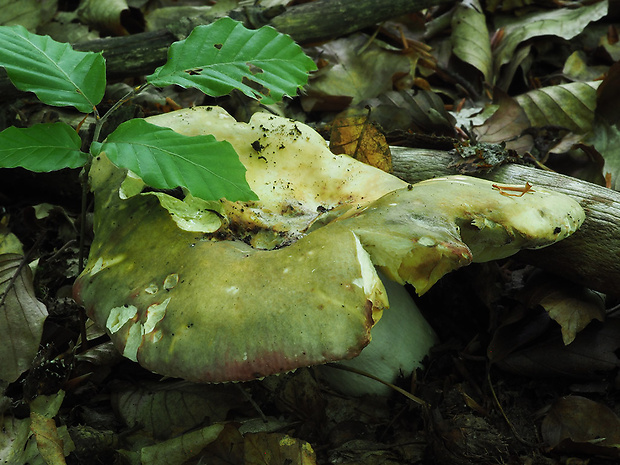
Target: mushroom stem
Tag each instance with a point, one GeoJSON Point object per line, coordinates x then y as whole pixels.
{"type": "Point", "coordinates": [400, 342]}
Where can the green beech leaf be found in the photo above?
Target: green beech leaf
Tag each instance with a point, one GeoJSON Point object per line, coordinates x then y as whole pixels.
{"type": "Point", "coordinates": [263, 63]}
{"type": "Point", "coordinates": [470, 37]}
{"type": "Point", "coordinates": [566, 105]}
{"type": "Point", "coordinates": [56, 73]}
{"type": "Point", "coordinates": [164, 159]}
{"type": "Point", "coordinates": [606, 140]}
{"type": "Point", "coordinates": [41, 148]}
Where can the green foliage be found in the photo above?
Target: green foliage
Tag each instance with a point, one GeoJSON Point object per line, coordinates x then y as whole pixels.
{"type": "Point", "coordinates": [470, 37]}
{"type": "Point", "coordinates": [56, 73]}
{"type": "Point", "coordinates": [565, 23]}
{"type": "Point", "coordinates": [41, 148]}
{"type": "Point", "coordinates": [163, 158]}
{"type": "Point", "coordinates": [216, 59]}
{"type": "Point", "coordinates": [224, 55]}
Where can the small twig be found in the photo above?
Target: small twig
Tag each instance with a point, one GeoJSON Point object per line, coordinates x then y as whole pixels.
{"type": "Point", "coordinates": [128, 96]}
{"type": "Point", "coordinates": [408, 395]}
{"type": "Point", "coordinates": [501, 410]}
{"type": "Point", "coordinates": [252, 402]}
{"type": "Point", "coordinates": [84, 176]}
{"type": "Point", "coordinates": [370, 40]}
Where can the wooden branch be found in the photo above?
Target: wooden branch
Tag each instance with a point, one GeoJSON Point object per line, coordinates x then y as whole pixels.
{"type": "Point", "coordinates": [139, 54]}
{"type": "Point", "coordinates": [326, 19]}
{"type": "Point", "coordinates": [590, 257]}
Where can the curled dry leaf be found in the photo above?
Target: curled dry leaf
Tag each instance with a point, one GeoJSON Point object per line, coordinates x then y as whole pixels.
{"type": "Point", "coordinates": [48, 440]}
{"type": "Point", "coordinates": [111, 17]}
{"type": "Point", "coordinates": [579, 425]}
{"type": "Point", "coordinates": [606, 140]}
{"type": "Point", "coordinates": [178, 450]}
{"type": "Point", "coordinates": [565, 23]}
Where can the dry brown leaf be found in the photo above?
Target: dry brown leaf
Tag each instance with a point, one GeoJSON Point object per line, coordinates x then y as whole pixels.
{"type": "Point", "coordinates": [520, 327]}
{"type": "Point", "coordinates": [506, 125]}
{"type": "Point", "coordinates": [591, 355]}
{"type": "Point", "coordinates": [21, 317]}
{"type": "Point", "coordinates": [355, 135]}
{"type": "Point", "coordinates": [578, 424]}
{"type": "Point", "coordinates": [572, 307]}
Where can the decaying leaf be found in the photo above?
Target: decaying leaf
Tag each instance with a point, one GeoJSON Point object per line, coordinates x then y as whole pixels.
{"type": "Point", "coordinates": [169, 409]}
{"type": "Point", "coordinates": [111, 17]}
{"type": "Point", "coordinates": [15, 446]}
{"type": "Point", "coordinates": [606, 140]}
{"type": "Point", "coordinates": [506, 124]}
{"type": "Point", "coordinates": [9, 242]}
{"type": "Point", "coordinates": [53, 443]}
{"type": "Point", "coordinates": [576, 68]}
{"type": "Point", "coordinates": [21, 317]}
{"type": "Point", "coordinates": [565, 23]}
{"type": "Point", "coordinates": [607, 98]}
{"type": "Point", "coordinates": [48, 441]}
{"type": "Point", "coordinates": [576, 424]}
{"type": "Point", "coordinates": [528, 348]}
{"type": "Point", "coordinates": [355, 135]}
{"type": "Point", "coordinates": [28, 13]}
{"type": "Point", "coordinates": [411, 111]}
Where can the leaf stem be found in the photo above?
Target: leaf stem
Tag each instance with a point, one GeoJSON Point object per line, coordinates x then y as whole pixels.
{"type": "Point", "coordinates": [128, 96]}
{"type": "Point", "coordinates": [84, 176]}
{"type": "Point", "coordinates": [81, 311]}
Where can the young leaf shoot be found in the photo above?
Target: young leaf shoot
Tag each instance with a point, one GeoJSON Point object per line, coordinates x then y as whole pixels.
{"type": "Point", "coordinates": [57, 74]}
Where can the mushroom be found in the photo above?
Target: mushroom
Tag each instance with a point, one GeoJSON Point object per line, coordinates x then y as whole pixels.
{"type": "Point", "coordinates": [234, 291]}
